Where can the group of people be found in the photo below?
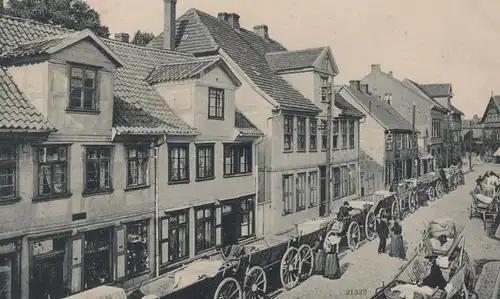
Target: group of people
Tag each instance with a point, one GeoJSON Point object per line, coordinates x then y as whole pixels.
{"type": "Point", "coordinates": [391, 230]}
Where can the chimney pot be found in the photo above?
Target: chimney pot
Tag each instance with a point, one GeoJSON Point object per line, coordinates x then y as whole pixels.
{"type": "Point", "coordinates": [375, 67]}
{"type": "Point", "coordinates": [222, 16]}
{"type": "Point", "coordinates": [169, 11]}
{"type": "Point", "coordinates": [262, 31]}
{"type": "Point", "coordinates": [390, 73]}
{"type": "Point", "coordinates": [354, 84]}
{"type": "Point", "coordinates": [122, 37]}
{"type": "Point", "coordinates": [234, 20]}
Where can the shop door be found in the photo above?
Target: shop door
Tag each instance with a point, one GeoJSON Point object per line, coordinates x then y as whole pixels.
{"type": "Point", "coordinates": [322, 190]}
{"type": "Point", "coordinates": [48, 278]}
{"type": "Point", "coordinates": [230, 224]}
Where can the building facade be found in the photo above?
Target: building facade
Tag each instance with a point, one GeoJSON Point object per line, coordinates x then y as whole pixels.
{"type": "Point", "coordinates": [386, 138]}
{"type": "Point", "coordinates": [490, 122]}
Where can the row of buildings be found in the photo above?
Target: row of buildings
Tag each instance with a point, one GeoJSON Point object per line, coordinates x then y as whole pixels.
{"type": "Point", "coordinates": [120, 162]}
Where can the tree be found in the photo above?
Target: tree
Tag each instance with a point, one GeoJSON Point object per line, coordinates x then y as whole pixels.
{"type": "Point", "coordinates": [142, 38]}
{"type": "Point", "coordinates": [71, 14]}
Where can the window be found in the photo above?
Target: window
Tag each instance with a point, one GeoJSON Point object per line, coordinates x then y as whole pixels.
{"type": "Point", "coordinates": [352, 179]}
{"type": "Point", "coordinates": [246, 212]}
{"type": "Point", "coordinates": [215, 103]}
{"type": "Point", "coordinates": [351, 134]}
{"type": "Point", "coordinates": [98, 167]}
{"type": "Point", "coordinates": [300, 191]}
{"type": "Point", "coordinates": [399, 141]}
{"type": "Point", "coordinates": [345, 180]}
{"type": "Point", "coordinates": [336, 182]}
{"type": "Point", "coordinates": [313, 188]}
{"type": "Point", "coordinates": [178, 162]}
{"type": "Point", "coordinates": [288, 133]}
{"type": "Point", "coordinates": [388, 142]}
{"type": "Point", "coordinates": [9, 284]}
{"type": "Point", "coordinates": [237, 159]}
{"type": "Point", "coordinates": [175, 237]}
{"type": "Point", "coordinates": [137, 248]}
{"type": "Point", "coordinates": [335, 133]}
{"type": "Point", "coordinates": [204, 229]}
{"type": "Point", "coordinates": [83, 88]}
{"type": "Point", "coordinates": [388, 174]}
{"type": "Point", "coordinates": [301, 133]}
{"type": "Point", "coordinates": [137, 165]}
{"type": "Point", "coordinates": [324, 63]}
{"type": "Point", "coordinates": [8, 171]}
{"type": "Point", "coordinates": [287, 194]}
{"type": "Point", "coordinates": [324, 89]}
{"type": "Point", "coordinates": [410, 141]}
{"type": "Point", "coordinates": [436, 128]}
{"type": "Point", "coordinates": [324, 136]}
{"type": "Point", "coordinates": [313, 134]}
{"type": "Point", "coordinates": [343, 128]}
{"type": "Point", "coordinates": [205, 161]}
{"type": "Point", "coordinates": [97, 258]}
{"type": "Point", "coordinates": [52, 167]}
{"type": "Point", "coordinates": [405, 141]}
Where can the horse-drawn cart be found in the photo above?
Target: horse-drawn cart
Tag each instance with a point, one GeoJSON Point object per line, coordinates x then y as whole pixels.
{"type": "Point", "coordinates": [386, 203]}
{"type": "Point", "coordinates": [484, 206]}
{"type": "Point", "coordinates": [441, 237]}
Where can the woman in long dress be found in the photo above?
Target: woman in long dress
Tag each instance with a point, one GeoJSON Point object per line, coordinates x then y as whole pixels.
{"type": "Point", "coordinates": [332, 265]}
{"type": "Point", "coordinates": [397, 248]}
{"type": "Point", "coordinates": [319, 256]}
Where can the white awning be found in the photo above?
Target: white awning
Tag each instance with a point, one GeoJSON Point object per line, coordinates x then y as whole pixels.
{"type": "Point", "coordinates": [497, 153]}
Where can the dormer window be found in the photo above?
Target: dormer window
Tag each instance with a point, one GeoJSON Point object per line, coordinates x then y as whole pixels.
{"type": "Point", "coordinates": [83, 89]}
{"type": "Point", "coordinates": [215, 103]}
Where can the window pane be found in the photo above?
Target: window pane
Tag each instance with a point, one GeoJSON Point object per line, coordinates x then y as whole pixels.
{"type": "Point", "coordinates": [76, 77]}
{"type": "Point", "coordinates": [90, 77]}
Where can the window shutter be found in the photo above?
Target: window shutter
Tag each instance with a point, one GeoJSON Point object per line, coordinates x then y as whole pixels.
{"type": "Point", "coordinates": [164, 240]}
{"type": "Point", "coordinates": [76, 264]}
{"type": "Point", "coordinates": [218, 225]}
{"type": "Point", "coordinates": [121, 250]}
{"type": "Point", "coordinates": [98, 89]}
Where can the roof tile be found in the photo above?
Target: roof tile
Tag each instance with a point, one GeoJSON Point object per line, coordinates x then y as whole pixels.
{"type": "Point", "coordinates": [436, 90]}
{"type": "Point", "coordinates": [346, 107]}
{"type": "Point", "coordinates": [243, 125]}
{"type": "Point", "coordinates": [180, 70]}
{"type": "Point", "coordinates": [293, 60]}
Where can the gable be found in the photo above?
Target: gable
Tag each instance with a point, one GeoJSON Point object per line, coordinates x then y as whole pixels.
{"type": "Point", "coordinates": [326, 63]}
{"type": "Point", "coordinates": [491, 110]}
{"type": "Point", "coordinates": [218, 76]}
{"type": "Point", "coordinates": [85, 52]}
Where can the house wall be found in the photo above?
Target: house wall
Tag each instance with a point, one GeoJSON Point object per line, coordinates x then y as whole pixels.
{"type": "Point", "coordinates": [443, 101]}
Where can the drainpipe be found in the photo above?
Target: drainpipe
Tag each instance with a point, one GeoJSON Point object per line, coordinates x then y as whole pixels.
{"type": "Point", "coordinates": [157, 208]}
{"type": "Point", "coordinates": [362, 120]}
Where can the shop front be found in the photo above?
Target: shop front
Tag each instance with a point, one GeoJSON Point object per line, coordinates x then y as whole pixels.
{"type": "Point", "coordinates": [237, 220]}
{"type": "Point", "coordinates": [10, 261]}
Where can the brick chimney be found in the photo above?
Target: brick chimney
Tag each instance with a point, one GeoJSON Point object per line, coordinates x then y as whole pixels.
{"type": "Point", "coordinates": [122, 37]}
{"type": "Point", "coordinates": [262, 31]}
{"type": "Point", "coordinates": [234, 20]}
{"type": "Point", "coordinates": [355, 84]}
{"type": "Point", "coordinates": [169, 24]}
{"type": "Point", "coordinates": [390, 73]}
{"type": "Point", "coordinates": [222, 16]}
{"type": "Point", "coordinates": [364, 88]}
{"type": "Point", "coordinates": [375, 67]}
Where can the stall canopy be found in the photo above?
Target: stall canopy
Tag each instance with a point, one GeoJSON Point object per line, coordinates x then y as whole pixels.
{"type": "Point", "coordinates": [102, 292]}
{"type": "Point", "coordinates": [497, 153]}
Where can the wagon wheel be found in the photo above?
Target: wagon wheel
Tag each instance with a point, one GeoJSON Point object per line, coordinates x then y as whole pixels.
{"type": "Point", "coordinates": [439, 189]}
{"type": "Point", "coordinates": [306, 260]}
{"type": "Point", "coordinates": [229, 288]}
{"type": "Point", "coordinates": [255, 283]}
{"type": "Point", "coordinates": [395, 210]}
{"type": "Point", "coordinates": [370, 226]}
{"type": "Point", "coordinates": [464, 294]}
{"type": "Point", "coordinates": [290, 268]}
{"type": "Point", "coordinates": [353, 236]}
{"type": "Point", "coordinates": [381, 213]}
{"type": "Point", "coordinates": [412, 202]}
{"type": "Point", "coordinates": [431, 193]}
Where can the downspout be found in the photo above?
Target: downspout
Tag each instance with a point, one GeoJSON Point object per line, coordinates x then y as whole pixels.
{"type": "Point", "coordinates": [157, 207]}
{"type": "Point", "coordinates": [362, 120]}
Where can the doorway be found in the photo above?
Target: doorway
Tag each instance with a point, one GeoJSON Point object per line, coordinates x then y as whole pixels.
{"type": "Point", "coordinates": [48, 278]}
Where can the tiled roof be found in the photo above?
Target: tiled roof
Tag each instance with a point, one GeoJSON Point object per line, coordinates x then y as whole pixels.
{"type": "Point", "coordinates": [138, 107]}
{"type": "Point", "coordinates": [200, 33]}
{"type": "Point", "coordinates": [436, 90]}
{"type": "Point", "coordinates": [417, 88]}
{"type": "Point", "coordinates": [293, 60]}
{"type": "Point", "coordinates": [346, 107]}
{"type": "Point", "coordinates": [16, 112]}
{"type": "Point", "coordinates": [383, 112]}
{"type": "Point", "coordinates": [33, 47]}
{"type": "Point", "coordinates": [244, 125]}
{"type": "Point", "coordinates": [455, 110]}
{"type": "Point", "coordinates": [180, 70]}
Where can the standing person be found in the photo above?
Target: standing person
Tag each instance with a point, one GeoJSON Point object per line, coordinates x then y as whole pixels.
{"type": "Point", "coordinates": [442, 174]}
{"type": "Point", "coordinates": [397, 247]}
{"type": "Point", "coordinates": [319, 256]}
{"type": "Point", "coordinates": [383, 234]}
{"type": "Point", "coordinates": [332, 264]}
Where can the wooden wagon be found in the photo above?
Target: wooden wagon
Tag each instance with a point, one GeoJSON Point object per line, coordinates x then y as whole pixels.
{"type": "Point", "coordinates": [441, 237]}
{"type": "Point", "coordinates": [459, 273]}
{"type": "Point", "coordinates": [386, 203]}
{"type": "Point", "coordinates": [485, 206]}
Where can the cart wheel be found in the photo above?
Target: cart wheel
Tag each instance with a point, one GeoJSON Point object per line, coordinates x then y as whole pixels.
{"type": "Point", "coordinates": [381, 213]}
{"type": "Point", "coordinates": [395, 210]}
{"type": "Point", "coordinates": [353, 236]}
{"type": "Point", "coordinates": [290, 268]}
{"type": "Point", "coordinates": [229, 288]}
{"type": "Point", "coordinates": [255, 283]}
{"type": "Point", "coordinates": [412, 202]}
{"type": "Point", "coordinates": [431, 193]}
{"type": "Point", "coordinates": [464, 294]}
{"type": "Point", "coordinates": [440, 189]}
{"type": "Point", "coordinates": [306, 260]}
{"type": "Point", "coordinates": [370, 226]}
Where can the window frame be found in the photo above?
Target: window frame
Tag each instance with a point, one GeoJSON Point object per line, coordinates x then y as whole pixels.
{"type": "Point", "coordinates": [300, 191]}
{"type": "Point", "coordinates": [352, 134]}
{"type": "Point", "coordinates": [219, 104]}
{"type": "Point", "coordinates": [137, 147]}
{"type": "Point", "coordinates": [313, 134]}
{"type": "Point", "coordinates": [288, 128]}
{"type": "Point", "coordinates": [337, 190]}
{"type": "Point", "coordinates": [335, 134]}
{"type": "Point", "coordinates": [86, 190]}
{"type": "Point", "coordinates": [85, 68]}
{"type": "Point", "coordinates": [301, 134]}
{"type": "Point", "coordinates": [13, 163]}
{"type": "Point", "coordinates": [288, 194]}
{"type": "Point", "coordinates": [344, 176]}
{"type": "Point", "coordinates": [205, 219]}
{"type": "Point", "coordinates": [399, 141]}
{"type": "Point", "coordinates": [86, 254]}
{"type": "Point", "coordinates": [211, 149]}
{"type": "Point", "coordinates": [312, 188]}
{"type": "Point", "coordinates": [343, 129]}
{"type": "Point", "coordinates": [170, 227]}
{"type": "Point", "coordinates": [325, 81]}
{"type": "Point", "coordinates": [65, 165]}
{"type": "Point", "coordinates": [171, 148]}
{"type": "Point", "coordinates": [147, 223]}
{"type": "Point", "coordinates": [389, 142]}
{"type": "Point", "coordinates": [238, 148]}
{"type": "Point", "coordinates": [353, 179]}
{"type": "Point", "coordinates": [250, 212]}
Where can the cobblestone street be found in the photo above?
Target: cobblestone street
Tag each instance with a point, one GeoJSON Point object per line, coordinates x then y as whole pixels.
{"type": "Point", "coordinates": [366, 270]}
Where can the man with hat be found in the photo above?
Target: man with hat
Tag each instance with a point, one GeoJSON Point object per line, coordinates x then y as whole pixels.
{"type": "Point", "coordinates": [383, 234]}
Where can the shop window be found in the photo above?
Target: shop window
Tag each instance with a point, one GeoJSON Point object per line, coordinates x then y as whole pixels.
{"type": "Point", "coordinates": [137, 165]}
{"type": "Point", "coordinates": [175, 237]}
{"type": "Point", "coordinates": [204, 229]}
{"type": "Point", "coordinates": [178, 162]}
{"type": "Point", "coordinates": [287, 194]}
{"type": "Point", "coordinates": [97, 258]}
{"type": "Point", "coordinates": [97, 169]}
{"type": "Point", "coordinates": [237, 220]}
{"type": "Point", "coordinates": [336, 182]}
{"type": "Point", "coordinates": [9, 271]}
{"type": "Point", "coordinates": [313, 134]}
{"type": "Point", "coordinates": [300, 191]}
{"type": "Point", "coordinates": [246, 212]}
{"type": "Point", "coordinates": [301, 133]}
{"type": "Point", "coordinates": [52, 168]}
{"type": "Point", "coordinates": [8, 171]}
{"type": "Point", "coordinates": [288, 133]}
{"type": "Point", "coordinates": [237, 159]}
{"type": "Point", "coordinates": [137, 248]}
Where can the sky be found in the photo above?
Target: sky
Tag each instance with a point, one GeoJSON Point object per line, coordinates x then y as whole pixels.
{"type": "Point", "coordinates": [428, 41]}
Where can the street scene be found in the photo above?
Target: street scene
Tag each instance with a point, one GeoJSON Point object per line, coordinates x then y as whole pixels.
{"type": "Point", "coordinates": [175, 149]}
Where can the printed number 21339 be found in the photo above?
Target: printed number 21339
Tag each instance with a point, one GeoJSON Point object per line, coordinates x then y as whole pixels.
{"type": "Point", "coordinates": [355, 292]}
